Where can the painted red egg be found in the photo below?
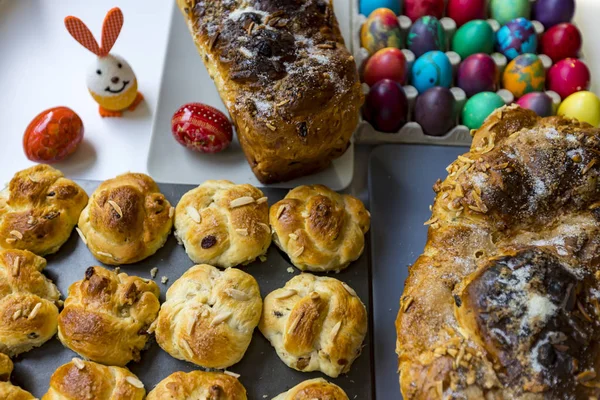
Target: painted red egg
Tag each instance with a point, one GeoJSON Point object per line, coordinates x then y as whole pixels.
{"type": "Point", "coordinates": [415, 9]}
{"type": "Point", "coordinates": [561, 41]}
{"type": "Point", "coordinates": [463, 11]}
{"type": "Point", "coordinates": [201, 128]}
{"type": "Point", "coordinates": [388, 63]}
{"type": "Point", "coordinates": [568, 76]}
{"type": "Point", "coordinates": [53, 135]}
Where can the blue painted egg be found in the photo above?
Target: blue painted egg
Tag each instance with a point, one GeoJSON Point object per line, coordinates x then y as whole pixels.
{"type": "Point", "coordinates": [431, 69]}
{"type": "Point", "coordinates": [516, 37]}
{"type": "Point", "coordinates": [426, 34]}
{"type": "Point", "coordinates": [368, 6]}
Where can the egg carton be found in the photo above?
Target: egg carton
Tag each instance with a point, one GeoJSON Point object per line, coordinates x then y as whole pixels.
{"type": "Point", "coordinates": [412, 132]}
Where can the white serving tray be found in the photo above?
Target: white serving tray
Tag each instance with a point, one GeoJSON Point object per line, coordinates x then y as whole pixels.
{"type": "Point", "coordinates": [186, 80]}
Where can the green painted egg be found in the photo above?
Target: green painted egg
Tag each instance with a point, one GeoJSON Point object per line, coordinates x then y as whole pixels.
{"type": "Point", "coordinates": [506, 10]}
{"type": "Point", "coordinates": [479, 107]}
{"type": "Point", "coordinates": [475, 36]}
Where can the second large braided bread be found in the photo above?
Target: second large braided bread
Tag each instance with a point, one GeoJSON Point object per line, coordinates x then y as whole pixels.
{"type": "Point", "coordinates": [504, 302]}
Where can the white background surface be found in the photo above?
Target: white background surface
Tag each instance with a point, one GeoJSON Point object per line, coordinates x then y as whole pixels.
{"type": "Point", "coordinates": [41, 66]}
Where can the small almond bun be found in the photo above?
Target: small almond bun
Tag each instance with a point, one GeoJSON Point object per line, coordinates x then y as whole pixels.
{"type": "Point", "coordinates": [83, 380]}
{"type": "Point", "coordinates": [209, 316]}
{"type": "Point", "coordinates": [126, 220]}
{"type": "Point", "coordinates": [319, 229]}
{"type": "Point", "coordinates": [313, 389]}
{"type": "Point", "coordinates": [39, 209]}
{"type": "Point", "coordinates": [223, 224]}
{"type": "Point", "coordinates": [198, 385]}
{"type": "Point", "coordinates": [315, 324]}
{"type": "Point", "coordinates": [28, 302]}
{"type": "Point", "coordinates": [7, 390]}
{"type": "Point", "coordinates": [107, 316]}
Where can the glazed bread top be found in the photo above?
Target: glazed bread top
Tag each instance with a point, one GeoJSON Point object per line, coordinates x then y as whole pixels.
{"type": "Point", "coordinates": [504, 301]}
{"type": "Point", "coordinates": [312, 389]}
{"type": "Point", "coordinates": [198, 385]}
{"type": "Point", "coordinates": [39, 209]}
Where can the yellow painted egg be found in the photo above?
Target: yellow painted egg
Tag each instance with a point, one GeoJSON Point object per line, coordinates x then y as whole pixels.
{"type": "Point", "coordinates": [381, 30]}
{"type": "Point", "coordinates": [524, 74]}
{"type": "Point", "coordinates": [584, 106]}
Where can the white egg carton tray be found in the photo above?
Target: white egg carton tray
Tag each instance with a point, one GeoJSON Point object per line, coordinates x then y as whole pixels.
{"type": "Point", "coordinates": [412, 132]}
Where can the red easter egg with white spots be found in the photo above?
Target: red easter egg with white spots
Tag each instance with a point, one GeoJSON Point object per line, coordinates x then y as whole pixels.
{"type": "Point", "coordinates": [201, 128]}
{"type": "Point", "coordinates": [567, 77]}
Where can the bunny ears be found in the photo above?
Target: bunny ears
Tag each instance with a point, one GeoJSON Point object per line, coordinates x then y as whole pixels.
{"type": "Point", "coordinates": [111, 27]}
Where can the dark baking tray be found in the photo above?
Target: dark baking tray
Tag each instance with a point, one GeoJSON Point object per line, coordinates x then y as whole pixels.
{"type": "Point", "coordinates": [262, 372]}
{"type": "Point", "coordinates": [400, 186]}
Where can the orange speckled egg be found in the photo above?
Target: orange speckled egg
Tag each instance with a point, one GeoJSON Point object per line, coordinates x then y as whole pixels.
{"type": "Point", "coordinates": [524, 74]}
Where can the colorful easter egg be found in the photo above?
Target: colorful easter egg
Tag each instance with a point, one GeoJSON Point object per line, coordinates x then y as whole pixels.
{"type": "Point", "coordinates": [426, 34]}
{"type": "Point", "coordinates": [477, 73]}
{"type": "Point", "coordinates": [524, 74]}
{"type": "Point", "coordinates": [381, 30]}
{"type": "Point", "coordinates": [479, 107]}
{"type": "Point", "coordinates": [504, 11]}
{"type": "Point", "coordinates": [431, 69]}
{"type": "Point", "coordinates": [439, 102]}
{"type": "Point", "coordinates": [53, 135]}
{"type": "Point", "coordinates": [463, 11]}
{"type": "Point", "coordinates": [473, 37]}
{"type": "Point", "coordinates": [388, 63]}
{"type": "Point", "coordinates": [538, 102]}
{"type": "Point", "coordinates": [368, 6]}
{"type": "Point", "coordinates": [386, 106]}
{"type": "Point", "coordinates": [201, 128]}
{"type": "Point", "coordinates": [561, 41]}
{"type": "Point", "coordinates": [415, 9]}
{"type": "Point", "coordinates": [516, 37]}
{"type": "Point", "coordinates": [568, 76]}
{"type": "Point", "coordinates": [552, 12]}
{"type": "Point", "coordinates": [584, 106]}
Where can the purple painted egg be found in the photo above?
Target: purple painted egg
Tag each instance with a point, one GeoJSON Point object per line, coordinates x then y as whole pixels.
{"type": "Point", "coordinates": [426, 34]}
{"type": "Point", "coordinates": [538, 102]}
{"type": "Point", "coordinates": [477, 73]}
{"type": "Point", "coordinates": [386, 106]}
{"type": "Point", "coordinates": [552, 12]}
{"type": "Point", "coordinates": [439, 102]}
{"type": "Point", "coordinates": [516, 37]}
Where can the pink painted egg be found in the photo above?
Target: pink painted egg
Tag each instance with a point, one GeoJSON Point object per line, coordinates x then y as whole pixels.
{"type": "Point", "coordinates": [415, 9]}
{"type": "Point", "coordinates": [463, 11]}
{"type": "Point", "coordinates": [568, 76]}
{"type": "Point", "coordinates": [201, 128]}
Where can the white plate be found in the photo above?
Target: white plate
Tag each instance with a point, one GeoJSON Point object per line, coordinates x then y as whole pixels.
{"type": "Point", "coordinates": [186, 80]}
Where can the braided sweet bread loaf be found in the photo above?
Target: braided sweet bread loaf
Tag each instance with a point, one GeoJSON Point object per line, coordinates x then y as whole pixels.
{"type": "Point", "coordinates": [504, 303]}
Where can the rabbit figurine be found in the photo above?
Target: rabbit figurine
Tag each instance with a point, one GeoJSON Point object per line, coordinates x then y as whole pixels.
{"type": "Point", "coordinates": [110, 80]}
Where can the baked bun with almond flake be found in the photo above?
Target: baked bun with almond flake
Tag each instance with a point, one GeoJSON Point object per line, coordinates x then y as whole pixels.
{"type": "Point", "coordinates": [107, 316]}
{"type": "Point", "coordinates": [209, 316]}
{"type": "Point", "coordinates": [198, 385]}
{"type": "Point", "coordinates": [39, 209]}
{"type": "Point", "coordinates": [7, 390]}
{"type": "Point", "coordinates": [315, 324]}
{"type": "Point", "coordinates": [126, 220]}
{"type": "Point", "coordinates": [28, 302]}
{"type": "Point", "coordinates": [85, 380]}
{"type": "Point", "coordinates": [319, 229]}
{"type": "Point", "coordinates": [223, 224]}
{"type": "Point", "coordinates": [313, 389]}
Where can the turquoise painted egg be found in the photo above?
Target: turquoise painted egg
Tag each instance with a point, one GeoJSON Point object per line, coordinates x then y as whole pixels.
{"type": "Point", "coordinates": [516, 37]}
{"type": "Point", "coordinates": [504, 11]}
{"type": "Point", "coordinates": [431, 69]}
{"type": "Point", "coordinates": [368, 6]}
{"type": "Point", "coordinates": [479, 107]}
{"type": "Point", "coordinates": [426, 34]}
{"type": "Point", "coordinates": [381, 30]}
